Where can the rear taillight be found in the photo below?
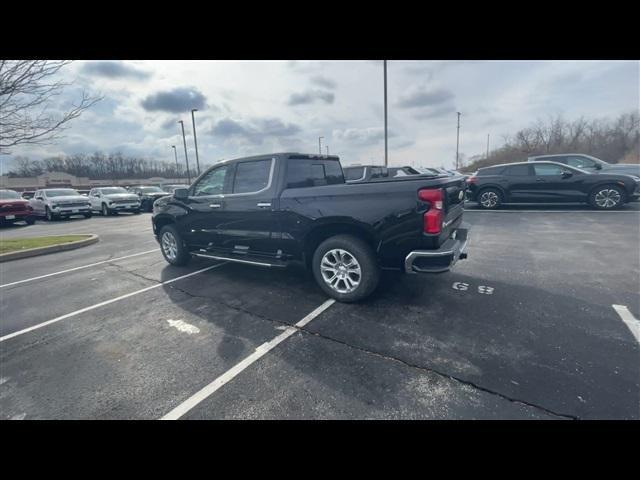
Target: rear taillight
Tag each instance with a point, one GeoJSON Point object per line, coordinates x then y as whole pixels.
{"type": "Point", "coordinates": [434, 217]}
{"type": "Point", "coordinates": [471, 180]}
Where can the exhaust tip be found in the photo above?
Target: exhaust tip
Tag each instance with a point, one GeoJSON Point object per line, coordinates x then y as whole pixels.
{"type": "Point", "coordinates": [463, 256]}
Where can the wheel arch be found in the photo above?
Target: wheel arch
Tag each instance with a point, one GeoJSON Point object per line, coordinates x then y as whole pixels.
{"type": "Point", "coordinates": [329, 229]}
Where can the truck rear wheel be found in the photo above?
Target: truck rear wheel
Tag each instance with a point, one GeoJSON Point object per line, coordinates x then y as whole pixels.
{"type": "Point", "coordinates": [345, 268]}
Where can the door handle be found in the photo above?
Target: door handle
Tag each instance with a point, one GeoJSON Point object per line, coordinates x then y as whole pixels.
{"type": "Point", "coordinates": [215, 205]}
{"type": "Point", "coordinates": [540, 180]}
{"type": "Point", "coordinates": [264, 204]}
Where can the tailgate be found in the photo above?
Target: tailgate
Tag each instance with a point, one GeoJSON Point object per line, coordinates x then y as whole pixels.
{"type": "Point", "coordinates": [455, 191]}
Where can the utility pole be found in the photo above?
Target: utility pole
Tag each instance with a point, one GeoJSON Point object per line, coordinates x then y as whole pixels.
{"type": "Point", "coordinates": [195, 139]}
{"type": "Point", "coordinates": [186, 157]}
{"type": "Point", "coordinates": [320, 145]}
{"type": "Point", "coordinates": [458, 140]}
{"type": "Point", "coordinates": [175, 152]}
{"type": "Point", "coordinates": [488, 145]}
{"type": "Point", "coordinates": [386, 159]}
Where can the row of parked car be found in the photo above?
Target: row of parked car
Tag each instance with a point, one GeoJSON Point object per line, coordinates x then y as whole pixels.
{"type": "Point", "coordinates": [58, 203]}
{"type": "Point", "coordinates": [560, 178]}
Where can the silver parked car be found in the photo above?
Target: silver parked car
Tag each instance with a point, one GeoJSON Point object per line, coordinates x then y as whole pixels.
{"type": "Point", "coordinates": [55, 203]}
{"type": "Point", "coordinates": [111, 200]}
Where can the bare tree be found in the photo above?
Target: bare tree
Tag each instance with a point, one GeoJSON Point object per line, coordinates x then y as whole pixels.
{"type": "Point", "coordinates": [28, 89]}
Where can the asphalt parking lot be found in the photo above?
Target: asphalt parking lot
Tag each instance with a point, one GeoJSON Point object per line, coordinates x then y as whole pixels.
{"type": "Point", "coordinates": [525, 328]}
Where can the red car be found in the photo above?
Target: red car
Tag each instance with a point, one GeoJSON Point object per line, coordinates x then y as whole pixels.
{"type": "Point", "coordinates": [13, 208]}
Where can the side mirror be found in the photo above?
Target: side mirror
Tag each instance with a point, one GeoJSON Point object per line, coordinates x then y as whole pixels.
{"type": "Point", "coordinates": [567, 174]}
{"type": "Point", "coordinates": [181, 193]}
{"type": "Point", "coordinates": [598, 166]}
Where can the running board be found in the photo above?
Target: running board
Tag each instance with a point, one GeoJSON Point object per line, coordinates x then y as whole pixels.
{"type": "Point", "coordinates": [238, 260]}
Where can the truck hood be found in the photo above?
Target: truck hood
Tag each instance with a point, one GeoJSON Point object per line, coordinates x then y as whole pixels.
{"type": "Point", "coordinates": [69, 198]}
{"type": "Point", "coordinates": [155, 194]}
{"type": "Point", "coordinates": [121, 196]}
{"type": "Point", "coordinates": [624, 168]}
{"type": "Point", "coordinates": [13, 201]}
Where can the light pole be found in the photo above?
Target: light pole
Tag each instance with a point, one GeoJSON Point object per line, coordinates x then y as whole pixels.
{"type": "Point", "coordinates": [327, 147]}
{"type": "Point", "coordinates": [175, 152]}
{"type": "Point", "coordinates": [458, 140]}
{"type": "Point", "coordinates": [195, 139]}
{"type": "Point", "coordinates": [320, 145]}
{"type": "Point", "coordinates": [385, 115]}
{"type": "Point", "coordinates": [186, 157]}
{"type": "Point", "coordinates": [488, 145]}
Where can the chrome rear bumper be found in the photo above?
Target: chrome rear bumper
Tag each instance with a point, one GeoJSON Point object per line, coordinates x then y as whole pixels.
{"type": "Point", "coordinates": [442, 259]}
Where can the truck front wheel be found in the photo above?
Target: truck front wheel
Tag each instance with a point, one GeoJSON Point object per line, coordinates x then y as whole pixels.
{"type": "Point", "coordinates": [345, 268]}
{"type": "Point", "coordinates": [172, 246]}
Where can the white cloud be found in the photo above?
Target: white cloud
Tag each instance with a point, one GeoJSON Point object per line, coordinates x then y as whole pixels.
{"type": "Point", "coordinates": [288, 105]}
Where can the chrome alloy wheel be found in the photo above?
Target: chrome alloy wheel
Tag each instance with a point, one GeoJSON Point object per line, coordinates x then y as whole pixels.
{"type": "Point", "coordinates": [169, 246]}
{"type": "Point", "coordinates": [489, 199]}
{"type": "Point", "coordinates": [340, 270]}
{"type": "Point", "coordinates": [607, 198]}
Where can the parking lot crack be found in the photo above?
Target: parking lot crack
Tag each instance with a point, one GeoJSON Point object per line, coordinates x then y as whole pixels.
{"type": "Point", "coordinates": [444, 375]}
{"type": "Point", "coordinates": [133, 272]}
{"type": "Point", "coordinates": [233, 307]}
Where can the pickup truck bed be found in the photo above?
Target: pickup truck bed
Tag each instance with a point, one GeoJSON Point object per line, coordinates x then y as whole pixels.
{"type": "Point", "coordinates": [275, 209]}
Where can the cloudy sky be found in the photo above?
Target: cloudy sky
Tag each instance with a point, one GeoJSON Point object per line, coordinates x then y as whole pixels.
{"type": "Point", "coordinates": [252, 107]}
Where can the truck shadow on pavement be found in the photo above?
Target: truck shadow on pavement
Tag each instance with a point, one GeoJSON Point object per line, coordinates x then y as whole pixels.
{"type": "Point", "coordinates": [417, 348]}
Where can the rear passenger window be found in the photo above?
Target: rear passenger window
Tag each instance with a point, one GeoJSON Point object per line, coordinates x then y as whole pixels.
{"type": "Point", "coordinates": [252, 176]}
{"type": "Point", "coordinates": [313, 173]}
{"type": "Point", "coordinates": [490, 171]}
{"type": "Point", "coordinates": [581, 162]}
{"type": "Point", "coordinates": [354, 173]}
{"type": "Point", "coordinates": [518, 170]}
{"type": "Point", "coordinates": [548, 169]}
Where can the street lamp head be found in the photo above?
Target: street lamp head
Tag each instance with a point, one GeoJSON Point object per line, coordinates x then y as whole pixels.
{"type": "Point", "coordinates": [194, 109]}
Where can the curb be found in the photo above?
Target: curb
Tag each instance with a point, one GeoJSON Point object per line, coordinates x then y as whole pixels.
{"type": "Point", "coordinates": [32, 252]}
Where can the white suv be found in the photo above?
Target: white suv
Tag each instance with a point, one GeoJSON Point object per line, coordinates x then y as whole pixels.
{"type": "Point", "coordinates": [111, 200]}
{"type": "Point", "coordinates": [55, 203]}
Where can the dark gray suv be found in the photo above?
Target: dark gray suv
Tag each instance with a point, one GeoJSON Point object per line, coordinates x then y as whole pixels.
{"type": "Point", "coordinates": [589, 163]}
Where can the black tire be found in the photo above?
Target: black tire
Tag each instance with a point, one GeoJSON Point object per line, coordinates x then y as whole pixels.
{"type": "Point", "coordinates": [106, 211]}
{"type": "Point", "coordinates": [30, 220]}
{"type": "Point", "coordinates": [492, 198]}
{"type": "Point", "coordinates": [607, 197]}
{"type": "Point", "coordinates": [50, 215]}
{"type": "Point", "coordinates": [365, 258]}
{"type": "Point", "coordinates": [182, 256]}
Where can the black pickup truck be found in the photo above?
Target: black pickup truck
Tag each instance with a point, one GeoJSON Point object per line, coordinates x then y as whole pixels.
{"type": "Point", "coordinates": [271, 210]}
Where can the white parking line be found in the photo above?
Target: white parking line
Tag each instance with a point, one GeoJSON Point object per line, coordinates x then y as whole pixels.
{"type": "Point", "coordinates": [106, 302]}
{"type": "Point", "coordinates": [78, 268]}
{"type": "Point", "coordinates": [259, 352]}
{"type": "Point", "coordinates": [630, 321]}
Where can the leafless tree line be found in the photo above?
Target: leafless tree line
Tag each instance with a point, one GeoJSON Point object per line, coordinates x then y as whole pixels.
{"type": "Point", "coordinates": [98, 166]}
{"type": "Point", "coordinates": [615, 141]}
{"type": "Point", "coordinates": [28, 114]}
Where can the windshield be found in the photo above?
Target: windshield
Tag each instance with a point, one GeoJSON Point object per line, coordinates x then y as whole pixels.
{"type": "Point", "coordinates": [8, 194]}
{"type": "Point", "coordinates": [151, 190]}
{"type": "Point", "coordinates": [62, 192]}
{"type": "Point", "coordinates": [111, 191]}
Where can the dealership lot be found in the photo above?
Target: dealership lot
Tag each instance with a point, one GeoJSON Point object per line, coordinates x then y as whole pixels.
{"type": "Point", "coordinates": [524, 328]}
